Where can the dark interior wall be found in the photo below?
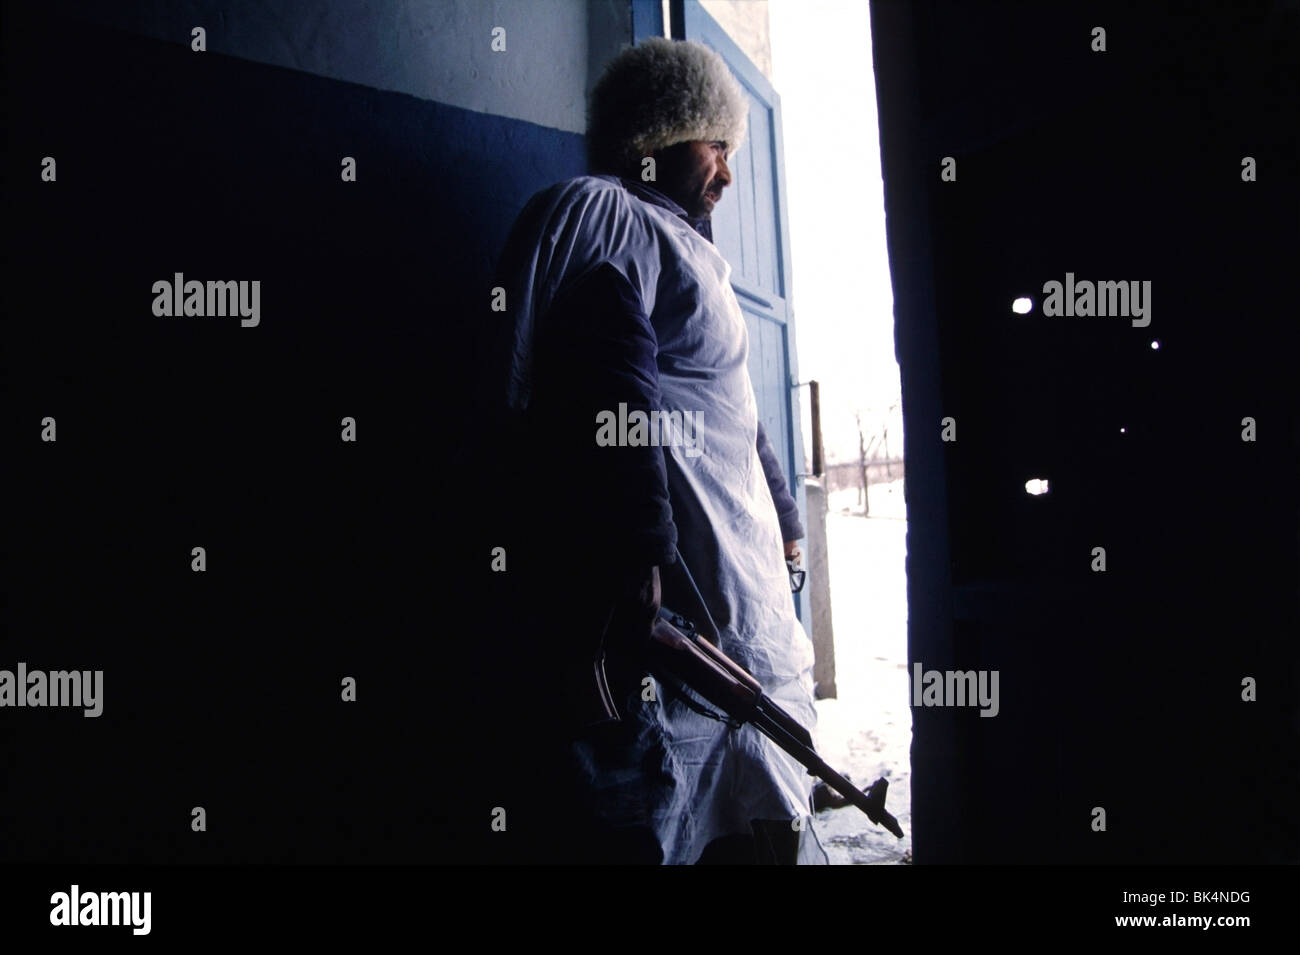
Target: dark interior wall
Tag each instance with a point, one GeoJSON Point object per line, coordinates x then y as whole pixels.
{"type": "Point", "coordinates": [1119, 689]}
{"type": "Point", "coordinates": [325, 559]}
{"type": "Point", "coordinates": [222, 689]}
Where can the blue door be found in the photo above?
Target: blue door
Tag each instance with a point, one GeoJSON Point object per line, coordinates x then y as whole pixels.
{"type": "Point", "coordinates": [752, 231]}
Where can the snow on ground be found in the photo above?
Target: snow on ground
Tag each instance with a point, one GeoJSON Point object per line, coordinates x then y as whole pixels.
{"type": "Point", "coordinates": [867, 732]}
{"type": "Point", "coordinates": [886, 501]}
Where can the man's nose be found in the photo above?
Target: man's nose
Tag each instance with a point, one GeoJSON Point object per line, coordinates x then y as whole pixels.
{"type": "Point", "coordinates": [724, 174]}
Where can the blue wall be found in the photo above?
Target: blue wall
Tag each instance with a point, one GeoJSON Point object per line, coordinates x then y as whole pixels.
{"type": "Point", "coordinates": [222, 688]}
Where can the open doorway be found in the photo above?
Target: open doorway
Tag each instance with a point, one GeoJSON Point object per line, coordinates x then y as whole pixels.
{"type": "Point", "coordinates": [845, 336]}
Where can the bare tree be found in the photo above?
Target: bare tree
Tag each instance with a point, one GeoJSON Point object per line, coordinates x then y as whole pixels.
{"type": "Point", "coordinates": [889, 470]}
{"type": "Point", "coordinates": [863, 497]}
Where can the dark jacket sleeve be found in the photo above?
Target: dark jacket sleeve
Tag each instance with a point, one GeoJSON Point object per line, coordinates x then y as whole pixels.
{"type": "Point", "coordinates": [787, 509]}
{"type": "Point", "coordinates": [598, 351]}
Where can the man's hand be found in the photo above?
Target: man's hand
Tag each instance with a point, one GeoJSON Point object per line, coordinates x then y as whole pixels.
{"type": "Point", "coordinates": [636, 608]}
{"type": "Point", "coordinates": [793, 563]}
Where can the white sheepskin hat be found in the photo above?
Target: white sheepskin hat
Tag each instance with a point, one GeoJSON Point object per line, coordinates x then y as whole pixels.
{"type": "Point", "coordinates": [660, 93]}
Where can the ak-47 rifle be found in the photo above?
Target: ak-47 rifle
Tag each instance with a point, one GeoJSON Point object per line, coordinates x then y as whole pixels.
{"type": "Point", "coordinates": [688, 659]}
{"type": "Point", "coordinates": [682, 658]}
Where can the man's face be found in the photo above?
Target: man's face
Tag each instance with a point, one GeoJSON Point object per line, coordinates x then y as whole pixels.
{"type": "Point", "coordinates": [693, 175]}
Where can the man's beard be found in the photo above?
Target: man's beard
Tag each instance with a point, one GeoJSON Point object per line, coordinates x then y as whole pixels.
{"type": "Point", "coordinates": [705, 199]}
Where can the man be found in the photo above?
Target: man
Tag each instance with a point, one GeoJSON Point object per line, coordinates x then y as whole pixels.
{"type": "Point", "coordinates": [618, 305]}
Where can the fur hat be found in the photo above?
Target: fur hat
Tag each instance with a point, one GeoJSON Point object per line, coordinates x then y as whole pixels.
{"type": "Point", "coordinates": [660, 93]}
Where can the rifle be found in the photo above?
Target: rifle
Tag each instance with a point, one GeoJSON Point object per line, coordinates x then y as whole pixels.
{"type": "Point", "coordinates": [687, 661]}
{"type": "Point", "coordinates": [680, 657]}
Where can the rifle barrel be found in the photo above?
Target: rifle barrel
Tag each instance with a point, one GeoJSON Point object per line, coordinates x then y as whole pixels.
{"type": "Point", "coordinates": [872, 803]}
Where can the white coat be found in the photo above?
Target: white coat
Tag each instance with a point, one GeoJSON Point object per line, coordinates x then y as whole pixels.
{"type": "Point", "coordinates": [706, 780]}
